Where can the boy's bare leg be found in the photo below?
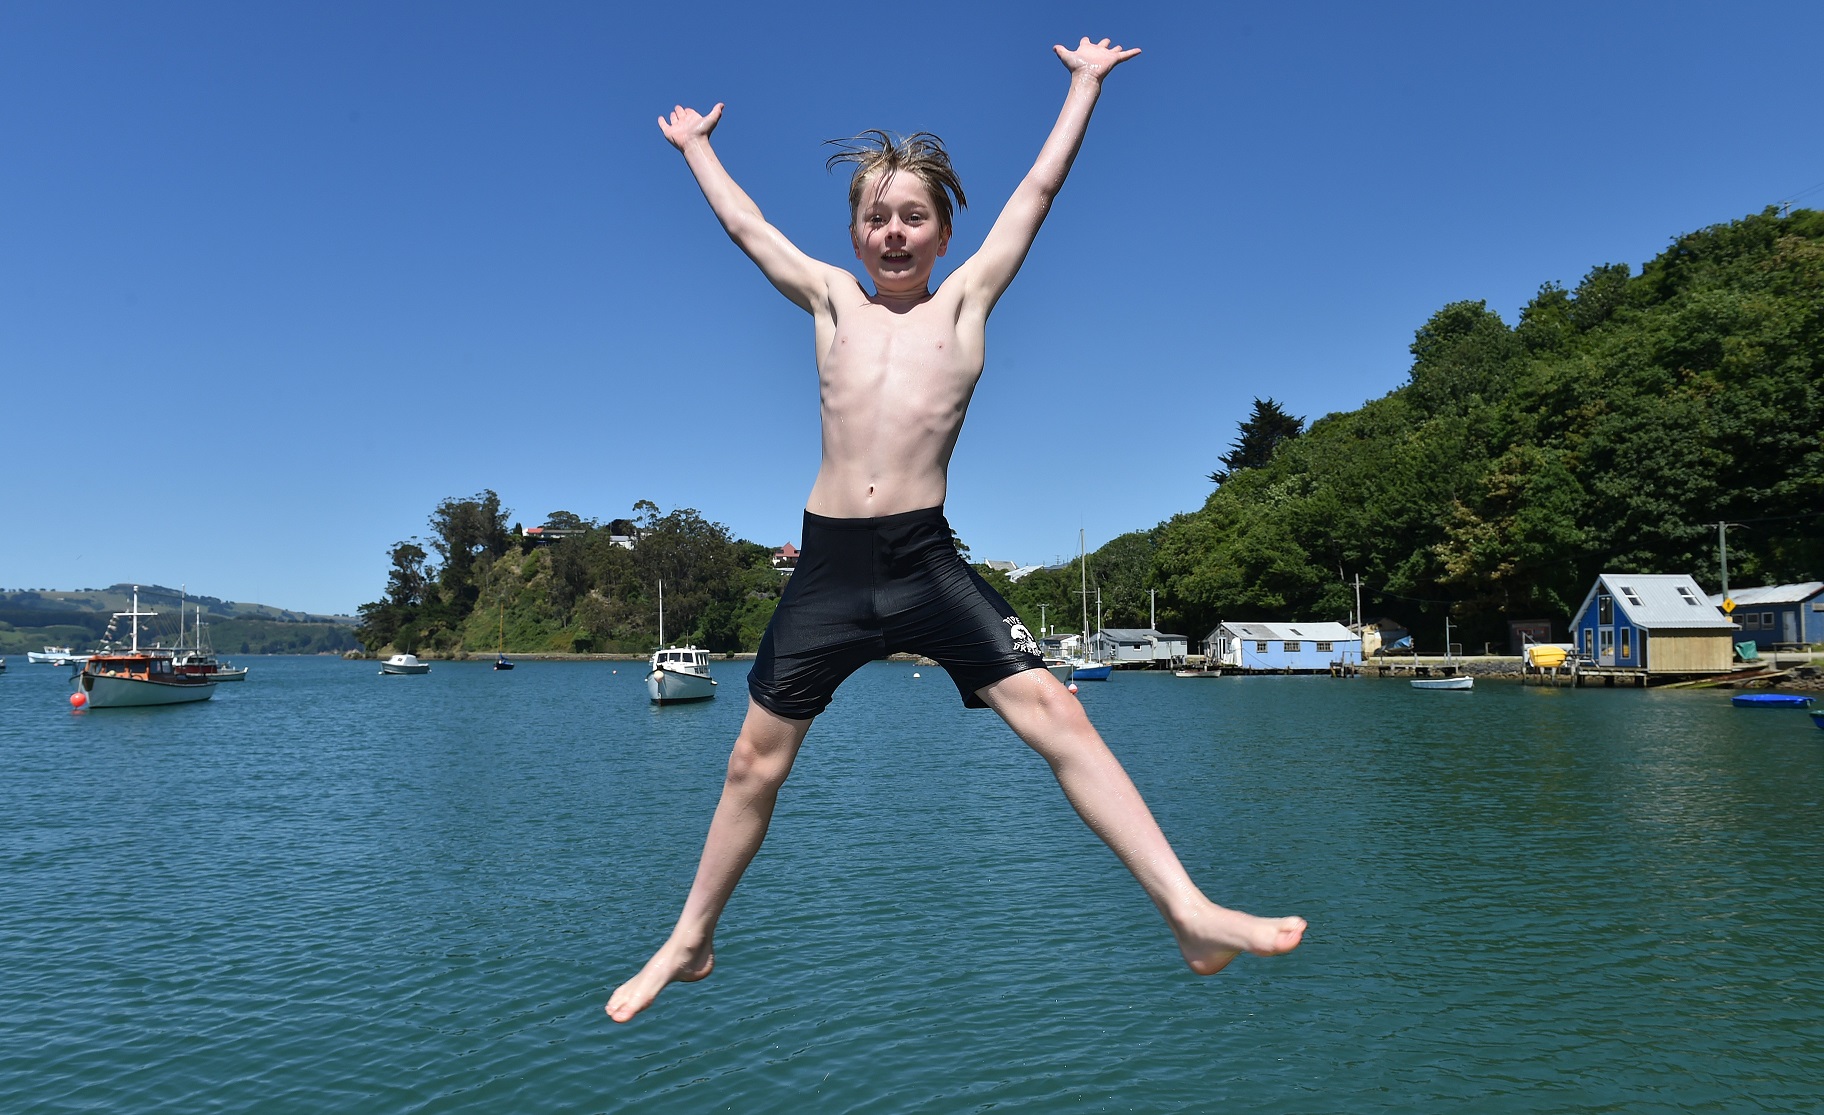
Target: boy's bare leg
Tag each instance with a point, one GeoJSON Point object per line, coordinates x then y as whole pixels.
{"type": "Point", "coordinates": [763, 756]}
{"type": "Point", "coordinates": [1052, 722]}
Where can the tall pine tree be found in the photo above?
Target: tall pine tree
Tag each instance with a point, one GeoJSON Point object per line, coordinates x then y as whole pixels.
{"type": "Point", "coordinates": [1261, 434]}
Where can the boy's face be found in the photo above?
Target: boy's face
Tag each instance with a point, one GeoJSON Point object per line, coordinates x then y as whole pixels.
{"type": "Point", "coordinates": [896, 233]}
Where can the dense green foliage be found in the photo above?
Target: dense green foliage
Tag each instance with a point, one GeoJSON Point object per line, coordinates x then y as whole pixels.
{"type": "Point", "coordinates": [1612, 428]}
{"type": "Point", "coordinates": [574, 585]}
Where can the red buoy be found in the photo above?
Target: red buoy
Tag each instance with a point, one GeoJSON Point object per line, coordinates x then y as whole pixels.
{"type": "Point", "coordinates": [77, 700]}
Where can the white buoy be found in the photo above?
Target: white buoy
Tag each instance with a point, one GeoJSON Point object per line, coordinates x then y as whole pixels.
{"type": "Point", "coordinates": [914, 673]}
{"type": "Point", "coordinates": [1073, 687]}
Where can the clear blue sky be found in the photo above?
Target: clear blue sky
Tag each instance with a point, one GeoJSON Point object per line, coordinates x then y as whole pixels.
{"type": "Point", "coordinates": [276, 278]}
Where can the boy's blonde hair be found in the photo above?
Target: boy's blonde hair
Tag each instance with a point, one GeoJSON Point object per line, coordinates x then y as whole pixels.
{"type": "Point", "coordinates": [921, 155]}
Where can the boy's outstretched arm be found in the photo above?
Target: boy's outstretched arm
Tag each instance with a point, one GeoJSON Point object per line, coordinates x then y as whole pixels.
{"type": "Point", "coordinates": [987, 273]}
{"type": "Point", "coordinates": [799, 277]}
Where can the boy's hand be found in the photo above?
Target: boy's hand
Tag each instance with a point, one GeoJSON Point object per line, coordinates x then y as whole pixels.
{"type": "Point", "coordinates": [1093, 59]}
{"type": "Point", "coordinates": [687, 124]}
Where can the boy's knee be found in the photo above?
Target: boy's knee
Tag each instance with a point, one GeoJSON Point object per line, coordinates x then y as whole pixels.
{"type": "Point", "coordinates": [1035, 696]}
{"type": "Point", "coordinates": [754, 761]}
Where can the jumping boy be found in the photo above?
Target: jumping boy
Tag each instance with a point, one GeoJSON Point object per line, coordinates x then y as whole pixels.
{"type": "Point", "coordinates": [880, 572]}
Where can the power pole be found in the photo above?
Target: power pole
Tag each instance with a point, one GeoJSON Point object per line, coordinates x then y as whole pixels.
{"type": "Point", "coordinates": [1722, 551]}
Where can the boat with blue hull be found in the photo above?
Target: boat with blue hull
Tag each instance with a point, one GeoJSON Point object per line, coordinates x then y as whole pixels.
{"type": "Point", "coordinates": [1770, 700]}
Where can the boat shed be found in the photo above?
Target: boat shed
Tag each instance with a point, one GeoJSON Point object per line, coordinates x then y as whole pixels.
{"type": "Point", "coordinates": [1138, 645]}
{"type": "Point", "coordinates": [1657, 623]}
{"type": "Point", "coordinates": [1281, 647]}
{"type": "Point", "coordinates": [1778, 616]}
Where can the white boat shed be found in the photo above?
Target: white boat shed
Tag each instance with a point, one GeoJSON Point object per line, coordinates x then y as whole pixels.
{"type": "Point", "coordinates": [1283, 646]}
{"type": "Point", "coordinates": [1138, 645]}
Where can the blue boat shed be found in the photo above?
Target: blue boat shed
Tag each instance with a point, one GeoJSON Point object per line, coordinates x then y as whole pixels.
{"type": "Point", "coordinates": [1657, 623]}
{"type": "Point", "coordinates": [1779, 615]}
{"type": "Point", "coordinates": [1283, 647]}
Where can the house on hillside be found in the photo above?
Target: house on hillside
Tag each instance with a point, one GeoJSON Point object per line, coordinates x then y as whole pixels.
{"type": "Point", "coordinates": [1138, 646]}
{"type": "Point", "coordinates": [1779, 615]}
{"type": "Point", "coordinates": [785, 558]}
{"type": "Point", "coordinates": [1282, 647]}
{"type": "Point", "coordinates": [1657, 623]}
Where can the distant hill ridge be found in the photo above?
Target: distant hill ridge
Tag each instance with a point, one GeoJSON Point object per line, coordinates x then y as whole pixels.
{"type": "Point", "coordinates": [32, 618]}
{"type": "Point", "coordinates": [119, 598]}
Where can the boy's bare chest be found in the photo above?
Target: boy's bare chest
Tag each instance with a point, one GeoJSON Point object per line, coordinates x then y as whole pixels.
{"type": "Point", "coordinates": [876, 343]}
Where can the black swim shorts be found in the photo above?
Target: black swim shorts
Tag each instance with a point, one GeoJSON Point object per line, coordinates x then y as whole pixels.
{"type": "Point", "coordinates": [866, 588]}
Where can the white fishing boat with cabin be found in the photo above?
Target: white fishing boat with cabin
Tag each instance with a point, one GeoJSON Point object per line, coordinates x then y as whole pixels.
{"type": "Point", "coordinates": [136, 678]}
{"type": "Point", "coordinates": [678, 674]}
{"type": "Point", "coordinates": [200, 660]}
{"type": "Point", "coordinates": [404, 664]}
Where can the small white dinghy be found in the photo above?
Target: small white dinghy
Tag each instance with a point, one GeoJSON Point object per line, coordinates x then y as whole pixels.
{"type": "Point", "coordinates": [1461, 681]}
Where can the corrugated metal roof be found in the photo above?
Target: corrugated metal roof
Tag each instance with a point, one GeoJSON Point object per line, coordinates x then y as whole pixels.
{"type": "Point", "coordinates": [1322, 631]}
{"type": "Point", "coordinates": [1136, 634]}
{"type": "Point", "coordinates": [1772, 594]}
{"type": "Point", "coordinates": [1655, 601]}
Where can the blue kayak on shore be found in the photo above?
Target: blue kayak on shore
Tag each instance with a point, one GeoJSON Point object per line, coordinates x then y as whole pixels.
{"type": "Point", "coordinates": [1770, 700]}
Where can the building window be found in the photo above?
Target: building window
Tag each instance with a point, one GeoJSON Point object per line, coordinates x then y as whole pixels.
{"type": "Point", "coordinates": [1751, 621]}
{"type": "Point", "coordinates": [1323, 648]}
{"type": "Point", "coordinates": [1260, 647]}
{"type": "Point", "coordinates": [1605, 610]}
{"type": "Point", "coordinates": [1627, 648]}
{"type": "Point", "coordinates": [1589, 641]}
{"type": "Point", "coordinates": [1633, 598]}
{"type": "Point", "coordinates": [1767, 620]}
{"type": "Point", "coordinates": [1686, 593]}
{"type": "Point", "coordinates": [1292, 646]}
{"type": "Point", "coordinates": [1608, 641]}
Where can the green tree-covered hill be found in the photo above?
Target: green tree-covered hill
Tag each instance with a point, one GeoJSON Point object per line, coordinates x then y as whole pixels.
{"type": "Point", "coordinates": [594, 588]}
{"type": "Point", "coordinates": [34, 618]}
{"type": "Point", "coordinates": [1611, 428]}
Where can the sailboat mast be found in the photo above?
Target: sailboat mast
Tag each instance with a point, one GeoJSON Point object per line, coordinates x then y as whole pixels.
{"type": "Point", "coordinates": [661, 612]}
{"type": "Point", "coordinates": [1083, 592]}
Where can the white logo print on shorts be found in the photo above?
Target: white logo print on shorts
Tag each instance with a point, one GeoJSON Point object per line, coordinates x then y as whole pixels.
{"type": "Point", "coordinates": [1022, 638]}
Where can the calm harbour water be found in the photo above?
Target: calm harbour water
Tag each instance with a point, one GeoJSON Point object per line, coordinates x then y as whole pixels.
{"type": "Point", "coordinates": [327, 890]}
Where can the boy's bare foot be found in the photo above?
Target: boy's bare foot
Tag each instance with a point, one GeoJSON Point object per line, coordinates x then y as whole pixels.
{"type": "Point", "coordinates": [1214, 936]}
{"type": "Point", "coordinates": [673, 963]}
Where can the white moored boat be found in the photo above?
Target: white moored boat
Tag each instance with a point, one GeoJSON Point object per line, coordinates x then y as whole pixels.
{"type": "Point", "coordinates": [1461, 681]}
{"type": "Point", "coordinates": [1085, 666]}
{"type": "Point", "coordinates": [404, 664]}
{"type": "Point", "coordinates": [1454, 681]}
{"type": "Point", "coordinates": [136, 678]}
{"type": "Point", "coordinates": [59, 656]}
{"type": "Point", "coordinates": [200, 660]}
{"type": "Point", "coordinates": [680, 674]}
